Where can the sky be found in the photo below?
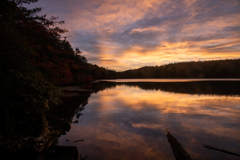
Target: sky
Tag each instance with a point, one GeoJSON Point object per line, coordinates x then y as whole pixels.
{"type": "Point", "coordinates": [129, 34]}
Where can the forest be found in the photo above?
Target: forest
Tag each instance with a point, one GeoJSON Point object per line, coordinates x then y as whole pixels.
{"type": "Point", "coordinates": [202, 69]}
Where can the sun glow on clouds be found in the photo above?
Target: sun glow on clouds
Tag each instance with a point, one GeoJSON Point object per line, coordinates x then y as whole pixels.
{"type": "Point", "coordinates": [131, 33]}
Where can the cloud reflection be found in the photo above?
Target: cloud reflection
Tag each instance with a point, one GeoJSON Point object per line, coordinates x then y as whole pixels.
{"type": "Point", "coordinates": [129, 123]}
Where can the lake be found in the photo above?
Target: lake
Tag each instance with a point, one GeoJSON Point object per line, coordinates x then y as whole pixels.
{"type": "Point", "coordinates": [127, 119]}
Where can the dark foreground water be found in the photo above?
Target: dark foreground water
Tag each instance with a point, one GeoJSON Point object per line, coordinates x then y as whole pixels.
{"type": "Point", "coordinates": [128, 120]}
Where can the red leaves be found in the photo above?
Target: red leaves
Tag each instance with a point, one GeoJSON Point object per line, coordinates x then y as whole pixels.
{"type": "Point", "coordinates": [87, 86]}
{"type": "Point", "coordinates": [50, 48]}
{"type": "Point", "coordinates": [52, 56]}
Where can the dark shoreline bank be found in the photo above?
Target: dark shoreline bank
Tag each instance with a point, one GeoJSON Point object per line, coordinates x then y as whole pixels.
{"type": "Point", "coordinates": [37, 133]}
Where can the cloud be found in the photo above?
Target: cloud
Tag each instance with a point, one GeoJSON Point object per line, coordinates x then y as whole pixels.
{"type": "Point", "coordinates": [131, 33]}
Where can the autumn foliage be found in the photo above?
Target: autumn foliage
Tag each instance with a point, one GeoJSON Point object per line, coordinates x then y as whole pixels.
{"type": "Point", "coordinates": [35, 58]}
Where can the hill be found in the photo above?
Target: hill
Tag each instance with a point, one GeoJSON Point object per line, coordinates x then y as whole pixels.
{"type": "Point", "coordinates": [202, 69]}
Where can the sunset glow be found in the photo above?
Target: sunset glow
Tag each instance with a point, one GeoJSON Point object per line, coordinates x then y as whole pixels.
{"type": "Point", "coordinates": [128, 34]}
{"type": "Point", "coordinates": [120, 79]}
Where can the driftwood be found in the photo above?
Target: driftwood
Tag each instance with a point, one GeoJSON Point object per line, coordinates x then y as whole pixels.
{"type": "Point", "coordinates": [79, 140]}
{"type": "Point", "coordinates": [220, 150]}
{"type": "Point", "coordinates": [178, 150]}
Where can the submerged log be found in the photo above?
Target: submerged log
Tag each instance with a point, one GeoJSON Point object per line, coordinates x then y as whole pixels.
{"type": "Point", "coordinates": [178, 150]}
{"type": "Point", "coordinates": [79, 140]}
{"type": "Point", "coordinates": [220, 150]}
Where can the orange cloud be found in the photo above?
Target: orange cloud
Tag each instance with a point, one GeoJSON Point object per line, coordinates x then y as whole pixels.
{"type": "Point", "coordinates": [131, 33]}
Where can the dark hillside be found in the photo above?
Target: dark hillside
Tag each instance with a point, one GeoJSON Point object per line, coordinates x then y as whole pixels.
{"type": "Point", "coordinates": [205, 69]}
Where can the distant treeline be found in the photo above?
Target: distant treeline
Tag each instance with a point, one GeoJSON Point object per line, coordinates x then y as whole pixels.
{"type": "Point", "coordinates": [201, 69]}
{"type": "Point", "coordinates": [229, 68]}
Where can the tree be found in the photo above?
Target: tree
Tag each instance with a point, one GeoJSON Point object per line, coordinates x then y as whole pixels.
{"type": "Point", "coordinates": [22, 84]}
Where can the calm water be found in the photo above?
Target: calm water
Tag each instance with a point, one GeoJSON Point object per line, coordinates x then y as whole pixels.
{"type": "Point", "coordinates": [128, 120]}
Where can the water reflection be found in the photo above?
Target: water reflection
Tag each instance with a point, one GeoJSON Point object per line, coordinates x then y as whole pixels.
{"type": "Point", "coordinates": [192, 87]}
{"type": "Point", "coordinates": [123, 121]}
